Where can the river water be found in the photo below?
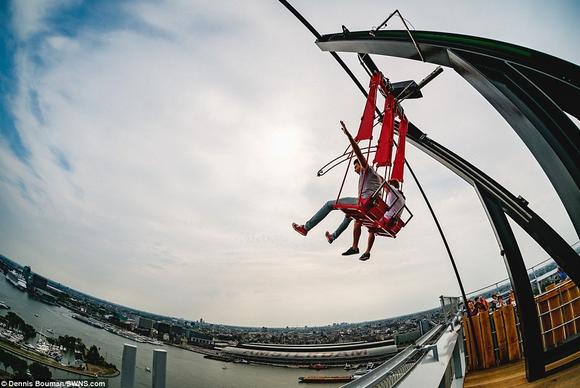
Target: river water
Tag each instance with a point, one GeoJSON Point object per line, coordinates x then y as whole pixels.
{"type": "Point", "coordinates": [184, 368]}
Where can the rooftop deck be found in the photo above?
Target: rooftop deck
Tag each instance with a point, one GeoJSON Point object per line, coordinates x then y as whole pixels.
{"type": "Point", "coordinates": [514, 375]}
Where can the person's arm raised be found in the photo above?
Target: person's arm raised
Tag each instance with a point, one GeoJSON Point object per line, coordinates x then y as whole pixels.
{"type": "Point", "coordinates": [355, 147]}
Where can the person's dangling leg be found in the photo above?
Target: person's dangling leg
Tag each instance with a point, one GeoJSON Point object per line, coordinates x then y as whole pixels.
{"type": "Point", "coordinates": [356, 231]}
{"type": "Point", "coordinates": [370, 241]}
{"type": "Point", "coordinates": [321, 214]}
{"type": "Point", "coordinates": [330, 237]}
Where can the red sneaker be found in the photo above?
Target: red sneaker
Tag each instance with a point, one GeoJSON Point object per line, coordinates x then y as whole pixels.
{"type": "Point", "coordinates": [300, 229]}
{"type": "Point", "coordinates": [329, 237]}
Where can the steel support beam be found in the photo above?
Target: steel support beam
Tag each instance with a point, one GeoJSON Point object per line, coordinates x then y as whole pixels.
{"type": "Point", "coordinates": [527, 311]}
{"type": "Point", "coordinates": [517, 209]}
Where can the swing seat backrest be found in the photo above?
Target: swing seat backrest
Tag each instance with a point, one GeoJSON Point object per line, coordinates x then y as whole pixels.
{"type": "Point", "coordinates": [387, 228]}
{"type": "Point", "coordinates": [393, 227]}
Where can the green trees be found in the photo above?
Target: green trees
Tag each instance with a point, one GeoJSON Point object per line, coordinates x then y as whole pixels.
{"type": "Point", "coordinates": [28, 332]}
{"type": "Point", "coordinates": [39, 371]}
{"type": "Point", "coordinates": [4, 359]}
{"type": "Point", "coordinates": [13, 321]}
{"type": "Point", "coordinates": [69, 343]}
{"type": "Point", "coordinates": [80, 346]}
{"type": "Point", "coordinates": [93, 356]}
{"type": "Point", "coordinates": [19, 366]}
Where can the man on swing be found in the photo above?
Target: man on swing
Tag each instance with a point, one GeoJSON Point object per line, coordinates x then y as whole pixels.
{"type": "Point", "coordinates": [368, 183]}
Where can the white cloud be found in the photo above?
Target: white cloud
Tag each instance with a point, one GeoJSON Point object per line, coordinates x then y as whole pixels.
{"type": "Point", "coordinates": [29, 17]}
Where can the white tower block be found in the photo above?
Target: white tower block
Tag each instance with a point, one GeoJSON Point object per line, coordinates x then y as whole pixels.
{"type": "Point", "coordinates": [128, 366]}
{"type": "Point", "coordinates": [159, 367]}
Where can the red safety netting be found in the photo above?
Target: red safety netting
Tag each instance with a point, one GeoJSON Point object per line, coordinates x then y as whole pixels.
{"type": "Point", "coordinates": [384, 154]}
{"type": "Point", "coordinates": [399, 164]}
{"type": "Point", "coordinates": [365, 131]}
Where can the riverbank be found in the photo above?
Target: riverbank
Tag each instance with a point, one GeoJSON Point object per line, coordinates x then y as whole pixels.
{"type": "Point", "coordinates": [185, 368]}
{"type": "Point", "coordinates": [93, 370]}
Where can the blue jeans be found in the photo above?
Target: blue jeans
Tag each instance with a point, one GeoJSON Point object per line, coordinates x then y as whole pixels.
{"type": "Point", "coordinates": [342, 227]}
{"type": "Point", "coordinates": [326, 209]}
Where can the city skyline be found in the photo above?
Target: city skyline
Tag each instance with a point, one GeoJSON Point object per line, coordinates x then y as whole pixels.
{"type": "Point", "coordinates": [155, 154]}
{"type": "Point", "coordinates": [151, 315]}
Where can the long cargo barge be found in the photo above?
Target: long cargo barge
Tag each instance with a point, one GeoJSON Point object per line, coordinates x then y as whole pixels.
{"type": "Point", "coordinates": [325, 379]}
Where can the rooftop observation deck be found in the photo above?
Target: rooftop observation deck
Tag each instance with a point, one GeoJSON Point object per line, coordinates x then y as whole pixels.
{"type": "Point", "coordinates": [448, 356]}
{"type": "Point", "coordinates": [514, 375]}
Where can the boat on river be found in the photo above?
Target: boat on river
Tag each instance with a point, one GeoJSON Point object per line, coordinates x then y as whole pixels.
{"type": "Point", "coordinates": [325, 379]}
{"type": "Point", "coordinates": [16, 279]}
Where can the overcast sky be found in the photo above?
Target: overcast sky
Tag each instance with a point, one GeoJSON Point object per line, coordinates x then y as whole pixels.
{"type": "Point", "coordinates": [154, 154]}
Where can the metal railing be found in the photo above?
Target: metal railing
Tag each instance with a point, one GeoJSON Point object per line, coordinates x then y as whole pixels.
{"type": "Point", "coordinates": [532, 274]}
{"type": "Point", "coordinates": [395, 369]}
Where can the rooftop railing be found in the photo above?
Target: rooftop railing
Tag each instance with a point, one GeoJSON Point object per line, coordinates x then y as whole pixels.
{"type": "Point", "coordinates": [425, 363]}
{"type": "Point", "coordinates": [535, 274]}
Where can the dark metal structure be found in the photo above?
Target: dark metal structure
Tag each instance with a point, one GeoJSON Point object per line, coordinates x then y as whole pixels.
{"type": "Point", "coordinates": [532, 91]}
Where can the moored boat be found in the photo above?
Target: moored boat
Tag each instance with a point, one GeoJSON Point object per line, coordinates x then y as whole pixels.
{"type": "Point", "coordinates": [16, 279]}
{"type": "Point", "coordinates": [325, 379]}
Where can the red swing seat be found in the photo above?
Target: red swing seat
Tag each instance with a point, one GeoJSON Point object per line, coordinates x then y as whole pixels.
{"type": "Point", "coordinates": [373, 216]}
{"type": "Point", "coordinates": [390, 228]}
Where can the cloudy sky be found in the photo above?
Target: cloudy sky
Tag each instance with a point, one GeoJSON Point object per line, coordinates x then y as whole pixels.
{"type": "Point", "coordinates": [155, 154]}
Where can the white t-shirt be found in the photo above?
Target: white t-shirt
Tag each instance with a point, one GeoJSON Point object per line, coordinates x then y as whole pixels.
{"type": "Point", "coordinates": [395, 201]}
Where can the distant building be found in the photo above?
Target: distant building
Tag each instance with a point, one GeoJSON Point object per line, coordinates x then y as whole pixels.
{"type": "Point", "coordinates": [144, 326]}
{"type": "Point", "coordinates": [38, 281]}
{"type": "Point", "coordinates": [408, 337]}
{"type": "Point", "coordinates": [61, 296]}
{"type": "Point", "coordinates": [26, 272]}
{"type": "Point", "coordinates": [127, 325]}
{"type": "Point", "coordinates": [114, 319]}
{"type": "Point", "coordinates": [330, 355]}
{"type": "Point", "coordinates": [176, 333]}
{"type": "Point", "coordinates": [197, 338]}
{"type": "Point", "coordinates": [163, 328]}
{"type": "Point", "coordinates": [43, 296]}
{"type": "Point", "coordinates": [144, 323]}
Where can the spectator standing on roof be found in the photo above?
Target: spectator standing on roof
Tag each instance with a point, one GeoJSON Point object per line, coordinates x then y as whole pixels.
{"type": "Point", "coordinates": [484, 305]}
{"type": "Point", "coordinates": [471, 309]}
{"type": "Point", "coordinates": [561, 274]}
{"type": "Point", "coordinates": [500, 301]}
{"type": "Point", "coordinates": [495, 302]}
